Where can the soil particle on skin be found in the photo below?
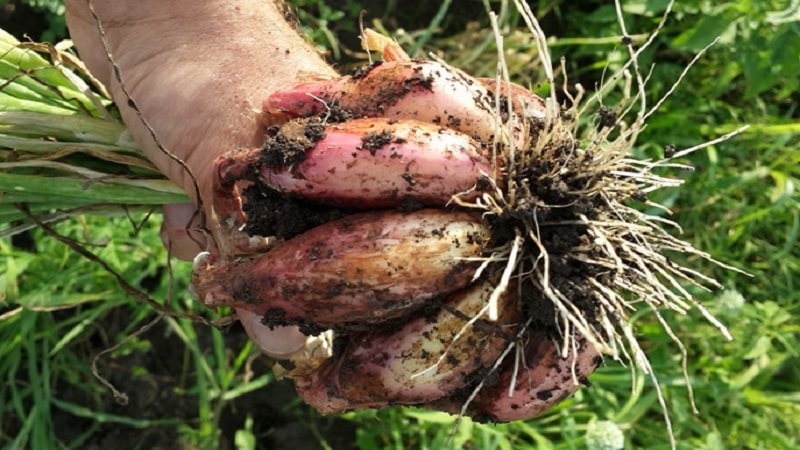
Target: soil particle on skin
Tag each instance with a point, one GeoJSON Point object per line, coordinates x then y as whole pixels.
{"type": "Point", "coordinates": [374, 141]}
{"type": "Point", "coordinates": [475, 238]}
{"type": "Point", "coordinates": [452, 360]}
{"type": "Point", "coordinates": [273, 213]}
{"type": "Point", "coordinates": [335, 113]}
{"type": "Point", "coordinates": [497, 104]}
{"type": "Point", "coordinates": [363, 71]}
{"type": "Point", "coordinates": [418, 80]}
{"type": "Point", "coordinates": [385, 96]}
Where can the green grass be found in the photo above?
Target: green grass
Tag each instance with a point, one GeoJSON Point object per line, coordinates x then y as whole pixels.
{"type": "Point", "coordinates": [56, 305]}
{"type": "Point", "coordinates": [741, 205]}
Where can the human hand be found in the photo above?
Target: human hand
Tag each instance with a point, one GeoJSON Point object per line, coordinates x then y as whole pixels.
{"type": "Point", "coordinates": [160, 55]}
{"type": "Point", "coordinates": [198, 72]}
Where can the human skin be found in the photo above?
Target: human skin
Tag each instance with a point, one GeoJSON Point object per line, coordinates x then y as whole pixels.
{"type": "Point", "coordinates": [198, 72]}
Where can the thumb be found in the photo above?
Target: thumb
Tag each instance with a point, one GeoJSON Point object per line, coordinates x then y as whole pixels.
{"type": "Point", "coordinates": [276, 342]}
{"type": "Point", "coordinates": [182, 231]}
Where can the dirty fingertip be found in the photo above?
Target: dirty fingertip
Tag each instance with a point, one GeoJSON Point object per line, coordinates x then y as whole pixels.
{"type": "Point", "coordinates": [278, 342]}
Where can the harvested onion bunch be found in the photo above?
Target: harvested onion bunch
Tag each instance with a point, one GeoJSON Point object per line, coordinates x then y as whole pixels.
{"type": "Point", "coordinates": [471, 255]}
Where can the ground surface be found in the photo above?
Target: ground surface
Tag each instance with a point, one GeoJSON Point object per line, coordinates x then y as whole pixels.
{"type": "Point", "coordinates": [155, 380]}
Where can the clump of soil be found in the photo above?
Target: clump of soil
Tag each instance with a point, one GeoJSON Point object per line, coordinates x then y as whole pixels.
{"type": "Point", "coordinates": [550, 201]}
{"type": "Point", "coordinates": [286, 146]}
{"type": "Point", "coordinates": [273, 213]}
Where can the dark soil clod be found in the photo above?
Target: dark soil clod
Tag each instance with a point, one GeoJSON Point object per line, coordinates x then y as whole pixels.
{"type": "Point", "coordinates": [608, 118]}
{"type": "Point", "coordinates": [286, 146]}
{"type": "Point", "coordinates": [273, 213]}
